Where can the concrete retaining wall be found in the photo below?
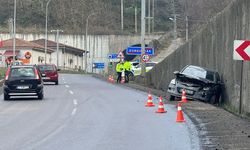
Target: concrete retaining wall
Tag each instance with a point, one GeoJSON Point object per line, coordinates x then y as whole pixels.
{"type": "Point", "coordinates": [213, 47]}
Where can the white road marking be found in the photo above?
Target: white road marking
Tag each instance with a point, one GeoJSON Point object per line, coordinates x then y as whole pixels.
{"type": "Point", "coordinates": [75, 102]}
{"type": "Point", "coordinates": [65, 82]}
{"type": "Point", "coordinates": [71, 92]}
{"type": "Point", "coordinates": [67, 86]}
{"type": "Point", "coordinates": [73, 112]}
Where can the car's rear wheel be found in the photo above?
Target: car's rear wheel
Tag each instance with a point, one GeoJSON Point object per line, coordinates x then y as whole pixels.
{"type": "Point", "coordinates": [214, 99]}
{"type": "Point", "coordinates": [40, 96]}
{"type": "Point", "coordinates": [6, 96]}
{"type": "Point", "coordinates": [56, 83]}
{"type": "Point", "coordinates": [172, 98]}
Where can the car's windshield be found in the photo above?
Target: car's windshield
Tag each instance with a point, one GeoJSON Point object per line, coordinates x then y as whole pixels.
{"type": "Point", "coordinates": [198, 73]}
{"type": "Point", "coordinates": [46, 68]}
{"type": "Point", "coordinates": [22, 72]}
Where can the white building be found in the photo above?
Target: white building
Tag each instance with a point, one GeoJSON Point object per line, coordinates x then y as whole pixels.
{"type": "Point", "coordinates": [68, 57]}
{"type": "Point", "coordinates": [27, 52]}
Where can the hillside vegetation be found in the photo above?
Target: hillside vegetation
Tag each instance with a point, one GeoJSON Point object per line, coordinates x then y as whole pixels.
{"type": "Point", "coordinates": [70, 15]}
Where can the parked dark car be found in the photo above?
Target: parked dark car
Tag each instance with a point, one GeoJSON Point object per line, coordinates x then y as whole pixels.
{"type": "Point", "coordinates": [200, 83]}
{"type": "Point", "coordinates": [23, 81]}
{"type": "Point", "coordinates": [49, 72]}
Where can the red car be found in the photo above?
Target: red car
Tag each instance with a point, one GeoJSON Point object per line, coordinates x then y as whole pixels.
{"type": "Point", "coordinates": [49, 72]}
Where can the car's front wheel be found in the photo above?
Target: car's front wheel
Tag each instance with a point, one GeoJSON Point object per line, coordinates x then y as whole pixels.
{"type": "Point", "coordinates": [214, 99]}
{"type": "Point", "coordinates": [6, 96]}
{"type": "Point", "coordinates": [172, 98]}
{"type": "Point", "coordinates": [40, 96]}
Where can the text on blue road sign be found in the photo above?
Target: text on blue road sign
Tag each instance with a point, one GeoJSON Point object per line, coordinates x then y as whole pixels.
{"type": "Point", "coordinates": [137, 51]}
{"type": "Point", "coordinates": [98, 65]}
{"type": "Point", "coordinates": [112, 56]}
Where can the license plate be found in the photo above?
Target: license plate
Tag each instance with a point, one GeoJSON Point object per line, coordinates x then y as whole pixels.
{"type": "Point", "coordinates": [45, 77]}
{"type": "Point", "coordinates": [189, 92]}
{"type": "Point", "coordinates": [22, 87]}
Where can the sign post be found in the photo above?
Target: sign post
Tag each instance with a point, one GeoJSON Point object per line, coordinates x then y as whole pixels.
{"type": "Point", "coordinates": [241, 52]}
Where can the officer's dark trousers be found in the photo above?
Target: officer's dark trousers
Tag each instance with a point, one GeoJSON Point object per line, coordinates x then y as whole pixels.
{"type": "Point", "coordinates": [127, 76]}
{"type": "Point", "coordinates": [119, 77]}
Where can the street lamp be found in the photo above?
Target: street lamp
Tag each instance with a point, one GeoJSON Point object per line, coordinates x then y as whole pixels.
{"type": "Point", "coordinates": [46, 28]}
{"type": "Point", "coordinates": [86, 38]}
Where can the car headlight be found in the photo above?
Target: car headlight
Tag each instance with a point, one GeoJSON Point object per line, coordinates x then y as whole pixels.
{"type": "Point", "coordinates": [172, 81]}
{"type": "Point", "coordinates": [206, 88]}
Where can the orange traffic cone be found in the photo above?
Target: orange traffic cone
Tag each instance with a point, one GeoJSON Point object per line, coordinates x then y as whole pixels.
{"type": "Point", "coordinates": [161, 106]}
{"type": "Point", "coordinates": [179, 117]}
{"type": "Point", "coordinates": [109, 79]}
{"type": "Point", "coordinates": [123, 77]}
{"type": "Point", "coordinates": [123, 80]}
{"type": "Point", "coordinates": [183, 96]}
{"type": "Point", "coordinates": [150, 101]}
{"type": "Point", "coordinates": [112, 79]}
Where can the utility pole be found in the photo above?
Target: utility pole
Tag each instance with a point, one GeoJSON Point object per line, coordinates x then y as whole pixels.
{"type": "Point", "coordinates": [14, 35]}
{"type": "Point", "coordinates": [46, 30]}
{"type": "Point", "coordinates": [122, 15]}
{"type": "Point", "coordinates": [186, 12]}
{"type": "Point", "coordinates": [175, 26]}
{"type": "Point", "coordinates": [57, 45]}
{"type": "Point", "coordinates": [10, 22]}
{"type": "Point", "coordinates": [149, 16]}
{"type": "Point", "coordinates": [186, 28]}
{"type": "Point", "coordinates": [143, 12]}
{"type": "Point", "coordinates": [153, 15]}
{"type": "Point", "coordinates": [136, 28]}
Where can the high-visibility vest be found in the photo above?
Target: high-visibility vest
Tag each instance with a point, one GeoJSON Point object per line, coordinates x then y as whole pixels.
{"type": "Point", "coordinates": [127, 66]}
{"type": "Point", "coordinates": [119, 67]}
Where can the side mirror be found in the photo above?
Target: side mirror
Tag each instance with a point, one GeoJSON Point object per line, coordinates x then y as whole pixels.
{"type": "Point", "coordinates": [176, 72]}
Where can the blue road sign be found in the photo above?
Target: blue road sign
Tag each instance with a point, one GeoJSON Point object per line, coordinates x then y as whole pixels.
{"type": "Point", "coordinates": [137, 51]}
{"type": "Point", "coordinates": [98, 65]}
{"type": "Point", "coordinates": [112, 56]}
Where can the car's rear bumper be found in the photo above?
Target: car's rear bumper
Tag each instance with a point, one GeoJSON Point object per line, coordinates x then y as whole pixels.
{"type": "Point", "coordinates": [28, 92]}
{"type": "Point", "coordinates": [50, 79]}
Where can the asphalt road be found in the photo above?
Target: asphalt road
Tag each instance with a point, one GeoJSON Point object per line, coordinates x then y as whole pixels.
{"type": "Point", "coordinates": [83, 112]}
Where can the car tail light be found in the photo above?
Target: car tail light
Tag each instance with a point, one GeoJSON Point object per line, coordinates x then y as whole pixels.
{"type": "Point", "coordinates": [7, 74]}
{"type": "Point", "coordinates": [37, 75]}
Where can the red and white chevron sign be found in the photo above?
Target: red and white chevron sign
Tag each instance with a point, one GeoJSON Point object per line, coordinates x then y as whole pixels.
{"type": "Point", "coordinates": [241, 50]}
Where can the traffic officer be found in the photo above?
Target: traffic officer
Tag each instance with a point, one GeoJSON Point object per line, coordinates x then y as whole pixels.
{"type": "Point", "coordinates": [127, 67]}
{"type": "Point", "coordinates": [119, 69]}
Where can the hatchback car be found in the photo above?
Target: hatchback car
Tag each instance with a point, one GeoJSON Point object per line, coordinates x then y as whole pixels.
{"type": "Point", "coordinates": [23, 81]}
{"type": "Point", "coordinates": [200, 83]}
{"type": "Point", "coordinates": [49, 72]}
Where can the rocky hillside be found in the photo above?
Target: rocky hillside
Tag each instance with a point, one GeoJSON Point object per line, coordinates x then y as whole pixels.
{"type": "Point", "coordinates": [70, 15]}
